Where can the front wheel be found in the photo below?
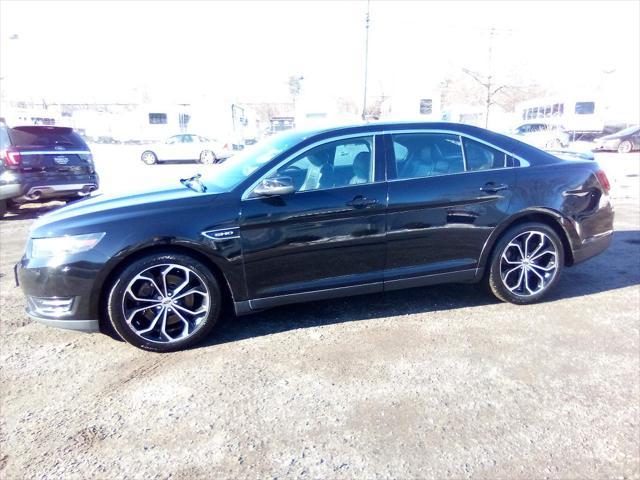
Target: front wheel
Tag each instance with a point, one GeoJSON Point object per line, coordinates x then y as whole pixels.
{"type": "Point", "coordinates": [526, 263]}
{"type": "Point", "coordinates": [625, 147]}
{"type": "Point", "coordinates": [208, 157]}
{"type": "Point", "coordinates": [164, 302]}
{"type": "Point", "coordinates": [3, 208]}
{"type": "Point", "coordinates": [149, 157]}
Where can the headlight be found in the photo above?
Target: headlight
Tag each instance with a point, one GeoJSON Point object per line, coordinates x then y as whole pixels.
{"type": "Point", "coordinates": [67, 245]}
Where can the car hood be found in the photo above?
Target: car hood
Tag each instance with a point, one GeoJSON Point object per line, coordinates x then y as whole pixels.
{"type": "Point", "coordinates": [98, 209]}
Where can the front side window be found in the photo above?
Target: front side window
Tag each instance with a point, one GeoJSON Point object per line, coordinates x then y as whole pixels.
{"type": "Point", "coordinates": [482, 157]}
{"type": "Point", "coordinates": [331, 165]}
{"type": "Point", "coordinates": [174, 139]}
{"type": "Point", "coordinates": [187, 139]}
{"type": "Point", "coordinates": [427, 154]}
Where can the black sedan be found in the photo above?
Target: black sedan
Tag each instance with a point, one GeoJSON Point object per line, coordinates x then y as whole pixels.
{"type": "Point", "coordinates": [623, 141]}
{"type": "Point", "coordinates": [317, 215]}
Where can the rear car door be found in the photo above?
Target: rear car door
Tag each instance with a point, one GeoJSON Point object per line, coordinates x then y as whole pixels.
{"type": "Point", "coordinates": [446, 195]}
{"type": "Point", "coordinates": [328, 236]}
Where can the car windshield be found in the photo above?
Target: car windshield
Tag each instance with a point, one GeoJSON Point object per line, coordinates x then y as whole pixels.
{"type": "Point", "coordinates": [225, 176]}
{"type": "Point", "coordinates": [628, 131]}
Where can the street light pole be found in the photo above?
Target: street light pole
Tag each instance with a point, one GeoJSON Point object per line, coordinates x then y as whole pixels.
{"type": "Point", "coordinates": [366, 64]}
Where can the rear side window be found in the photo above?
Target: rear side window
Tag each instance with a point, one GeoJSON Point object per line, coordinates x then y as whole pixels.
{"type": "Point", "coordinates": [427, 155]}
{"type": "Point", "coordinates": [45, 137]}
{"type": "Point", "coordinates": [482, 157]}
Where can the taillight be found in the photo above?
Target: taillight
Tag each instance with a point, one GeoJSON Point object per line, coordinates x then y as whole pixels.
{"type": "Point", "coordinates": [12, 158]}
{"type": "Point", "coordinates": [604, 181]}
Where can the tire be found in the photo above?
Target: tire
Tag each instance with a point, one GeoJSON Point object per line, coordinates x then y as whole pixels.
{"type": "Point", "coordinates": [3, 208]}
{"type": "Point", "coordinates": [149, 158]}
{"type": "Point", "coordinates": [625, 147]}
{"type": "Point", "coordinates": [159, 322]}
{"type": "Point", "coordinates": [525, 280]}
{"type": "Point", "coordinates": [208, 157]}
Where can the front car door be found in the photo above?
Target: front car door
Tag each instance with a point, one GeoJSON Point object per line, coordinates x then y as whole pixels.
{"type": "Point", "coordinates": [446, 194]}
{"type": "Point", "coordinates": [326, 239]}
{"type": "Point", "coordinates": [171, 148]}
{"type": "Point", "coordinates": [187, 148]}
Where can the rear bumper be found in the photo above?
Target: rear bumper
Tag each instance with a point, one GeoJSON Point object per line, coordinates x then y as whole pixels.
{"type": "Point", "coordinates": [36, 187]}
{"type": "Point", "coordinates": [592, 247]}
{"type": "Point", "coordinates": [37, 192]}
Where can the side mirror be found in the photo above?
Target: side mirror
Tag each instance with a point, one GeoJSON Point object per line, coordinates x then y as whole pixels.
{"type": "Point", "coordinates": [276, 186]}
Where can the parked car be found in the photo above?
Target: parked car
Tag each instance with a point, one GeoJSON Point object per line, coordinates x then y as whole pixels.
{"type": "Point", "coordinates": [546, 136]}
{"type": "Point", "coordinates": [186, 147]}
{"type": "Point", "coordinates": [316, 215]}
{"type": "Point", "coordinates": [42, 163]}
{"type": "Point", "coordinates": [623, 141]}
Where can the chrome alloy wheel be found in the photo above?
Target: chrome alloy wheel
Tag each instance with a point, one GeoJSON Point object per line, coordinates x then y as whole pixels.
{"type": "Point", "coordinates": [208, 157]}
{"type": "Point", "coordinates": [149, 158]}
{"type": "Point", "coordinates": [528, 263]}
{"type": "Point", "coordinates": [166, 303]}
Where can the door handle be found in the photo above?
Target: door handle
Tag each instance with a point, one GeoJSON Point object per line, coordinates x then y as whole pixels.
{"type": "Point", "coordinates": [361, 202]}
{"type": "Point", "coordinates": [492, 187]}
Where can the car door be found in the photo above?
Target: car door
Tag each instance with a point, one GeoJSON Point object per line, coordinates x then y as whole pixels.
{"type": "Point", "coordinates": [187, 148]}
{"type": "Point", "coordinates": [171, 150]}
{"type": "Point", "coordinates": [446, 194]}
{"type": "Point", "coordinates": [328, 237]}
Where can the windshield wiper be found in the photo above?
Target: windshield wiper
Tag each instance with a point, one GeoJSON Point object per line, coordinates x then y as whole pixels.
{"type": "Point", "coordinates": [194, 183]}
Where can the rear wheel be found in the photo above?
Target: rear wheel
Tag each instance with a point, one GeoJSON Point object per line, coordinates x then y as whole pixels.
{"type": "Point", "coordinates": [526, 263]}
{"type": "Point", "coordinates": [625, 147]}
{"type": "Point", "coordinates": [208, 157]}
{"type": "Point", "coordinates": [3, 208]}
{"type": "Point", "coordinates": [164, 302]}
{"type": "Point", "coordinates": [149, 157]}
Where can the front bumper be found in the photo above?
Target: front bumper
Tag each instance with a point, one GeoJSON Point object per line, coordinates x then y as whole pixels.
{"type": "Point", "coordinates": [609, 146]}
{"type": "Point", "coordinates": [9, 190]}
{"type": "Point", "coordinates": [47, 284]}
{"type": "Point", "coordinates": [88, 326]}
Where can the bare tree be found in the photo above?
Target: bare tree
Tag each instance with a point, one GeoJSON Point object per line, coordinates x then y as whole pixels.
{"type": "Point", "coordinates": [295, 86]}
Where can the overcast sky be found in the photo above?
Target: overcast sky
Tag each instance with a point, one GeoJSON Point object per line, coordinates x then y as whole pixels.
{"type": "Point", "coordinates": [78, 51]}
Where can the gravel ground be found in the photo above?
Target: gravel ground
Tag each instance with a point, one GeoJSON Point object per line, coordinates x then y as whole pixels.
{"type": "Point", "coordinates": [438, 382]}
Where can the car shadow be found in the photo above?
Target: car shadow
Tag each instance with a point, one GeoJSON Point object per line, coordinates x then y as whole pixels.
{"type": "Point", "coordinates": [617, 267]}
{"type": "Point", "coordinates": [31, 211]}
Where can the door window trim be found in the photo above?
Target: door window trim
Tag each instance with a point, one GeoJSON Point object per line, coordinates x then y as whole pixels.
{"type": "Point", "coordinates": [372, 134]}
{"type": "Point", "coordinates": [523, 163]}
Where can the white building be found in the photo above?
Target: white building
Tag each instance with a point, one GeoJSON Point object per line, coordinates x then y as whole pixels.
{"type": "Point", "coordinates": [421, 106]}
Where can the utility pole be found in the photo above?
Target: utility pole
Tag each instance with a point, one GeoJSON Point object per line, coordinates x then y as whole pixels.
{"type": "Point", "coordinates": [489, 78]}
{"type": "Point", "coordinates": [366, 63]}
